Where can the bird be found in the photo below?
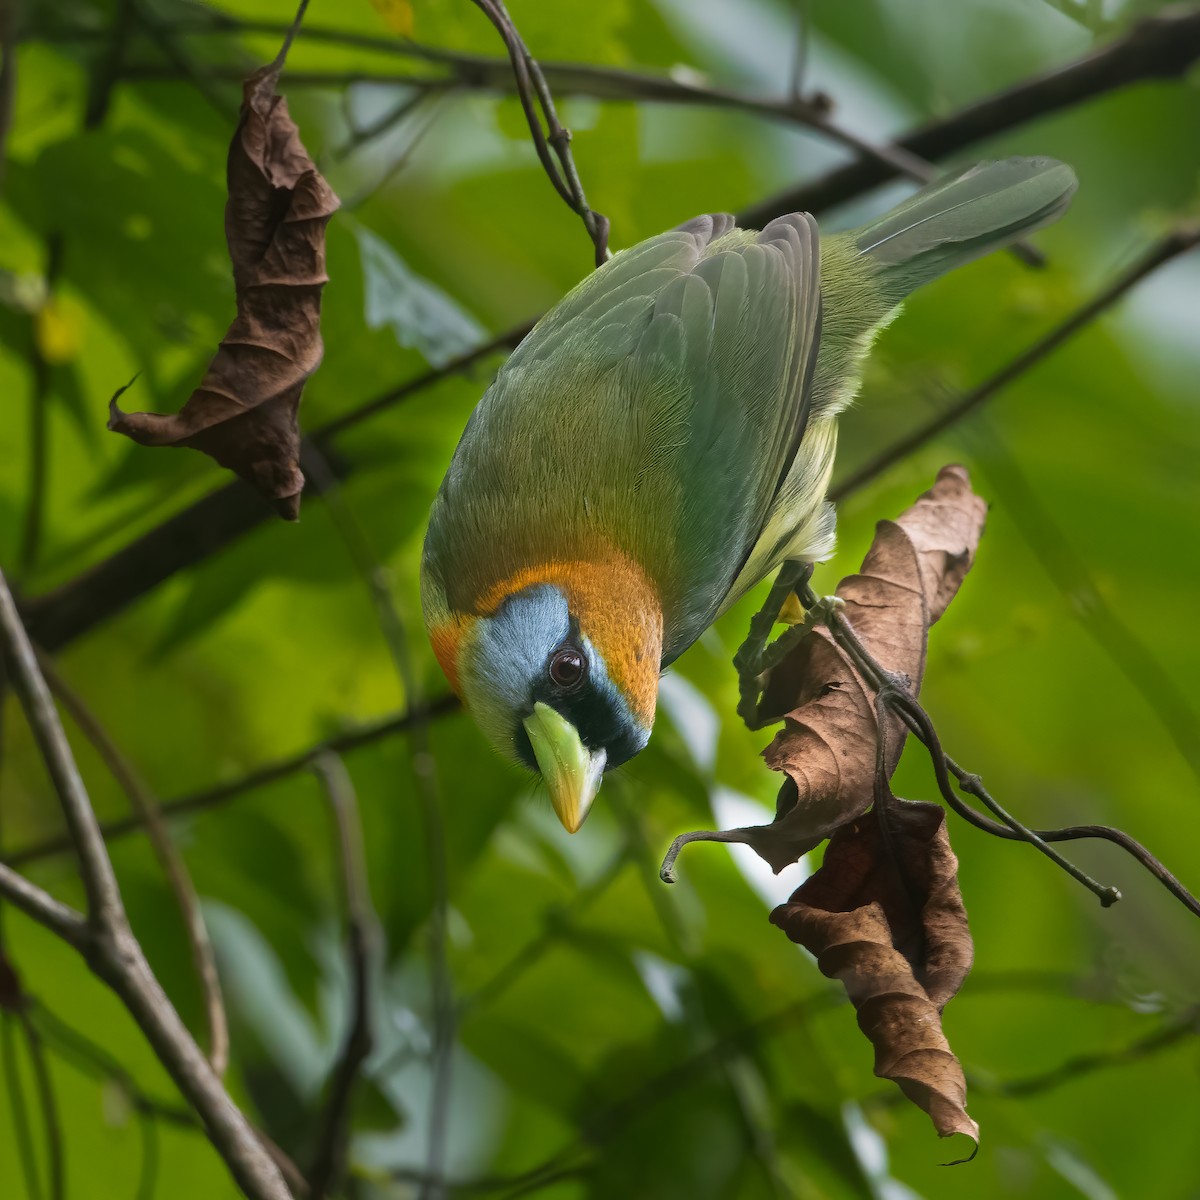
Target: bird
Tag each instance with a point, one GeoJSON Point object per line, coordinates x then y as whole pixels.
{"type": "Point", "coordinates": [658, 444]}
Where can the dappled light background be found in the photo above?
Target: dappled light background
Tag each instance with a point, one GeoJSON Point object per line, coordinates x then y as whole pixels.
{"type": "Point", "coordinates": [611, 1036]}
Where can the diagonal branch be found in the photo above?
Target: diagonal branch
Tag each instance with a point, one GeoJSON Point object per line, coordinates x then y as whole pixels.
{"type": "Point", "coordinates": [222, 793]}
{"type": "Point", "coordinates": [362, 931]}
{"type": "Point", "coordinates": [106, 940]}
{"type": "Point", "coordinates": [531, 84]}
{"type": "Point", "coordinates": [1162, 47]}
{"type": "Point", "coordinates": [149, 814]}
{"type": "Point", "coordinates": [1178, 241]}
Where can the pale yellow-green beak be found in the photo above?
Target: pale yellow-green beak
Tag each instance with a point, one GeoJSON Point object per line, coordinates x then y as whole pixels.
{"type": "Point", "coordinates": [571, 771]}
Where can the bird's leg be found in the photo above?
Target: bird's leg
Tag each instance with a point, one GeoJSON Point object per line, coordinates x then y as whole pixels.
{"type": "Point", "coordinates": [755, 655]}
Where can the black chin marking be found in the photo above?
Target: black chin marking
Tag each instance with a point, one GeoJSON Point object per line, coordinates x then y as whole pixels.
{"type": "Point", "coordinates": [524, 747]}
{"type": "Point", "coordinates": [599, 715]}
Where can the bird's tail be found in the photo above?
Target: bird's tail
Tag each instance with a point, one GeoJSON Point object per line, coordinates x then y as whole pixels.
{"type": "Point", "coordinates": [962, 217]}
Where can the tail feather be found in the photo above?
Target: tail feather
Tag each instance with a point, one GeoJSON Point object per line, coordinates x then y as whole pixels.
{"type": "Point", "coordinates": [955, 220]}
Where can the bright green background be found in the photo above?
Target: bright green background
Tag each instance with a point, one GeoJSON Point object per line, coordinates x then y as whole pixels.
{"type": "Point", "coordinates": [272, 644]}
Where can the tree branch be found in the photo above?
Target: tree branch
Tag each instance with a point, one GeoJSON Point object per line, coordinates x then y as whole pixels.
{"type": "Point", "coordinates": [900, 701]}
{"type": "Point", "coordinates": [425, 786]}
{"type": "Point", "coordinates": [329, 1158]}
{"type": "Point", "coordinates": [39, 415]}
{"type": "Point", "coordinates": [531, 84]}
{"type": "Point", "coordinates": [41, 907]}
{"type": "Point", "coordinates": [48, 1102]}
{"type": "Point", "coordinates": [1177, 242]}
{"type": "Point", "coordinates": [1161, 47]}
{"type": "Point", "coordinates": [149, 815]}
{"type": "Point", "coordinates": [1082, 1066]}
{"type": "Point", "coordinates": [108, 944]}
{"type": "Point", "coordinates": [1164, 46]}
{"type": "Point", "coordinates": [221, 793]}
{"type": "Point", "coordinates": [15, 1095]}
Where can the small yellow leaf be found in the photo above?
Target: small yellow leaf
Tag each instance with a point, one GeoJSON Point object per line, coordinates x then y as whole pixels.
{"type": "Point", "coordinates": [58, 330]}
{"type": "Point", "coordinates": [397, 15]}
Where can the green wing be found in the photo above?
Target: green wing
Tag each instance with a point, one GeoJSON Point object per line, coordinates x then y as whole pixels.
{"type": "Point", "coordinates": [657, 407]}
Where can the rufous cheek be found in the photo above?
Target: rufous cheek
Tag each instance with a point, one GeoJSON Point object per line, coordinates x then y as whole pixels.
{"type": "Point", "coordinates": [446, 638]}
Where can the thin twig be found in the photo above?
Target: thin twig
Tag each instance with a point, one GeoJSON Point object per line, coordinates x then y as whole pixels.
{"type": "Point", "coordinates": [1083, 1066]}
{"type": "Point", "coordinates": [48, 1103]}
{"type": "Point", "coordinates": [1131, 653]}
{"type": "Point", "coordinates": [94, 1061]}
{"type": "Point", "coordinates": [1175, 243]}
{"type": "Point", "coordinates": [384, 124]}
{"type": "Point", "coordinates": [1163, 46]}
{"type": "Point", "coordinates": [148, 1168]}
{"type": "Point", "coordinates": [424, 772]}
{"type": "Point", "coordinates": [14, 1088]}
{"type": "Point", "coordinates": [905, 706]}
{"type": "Point", "coordinates": [39, 419]}
{"type": "Point", "coordinates": [149, 815]}
{"type": "Point", "coordinates": [531, 83]}
{"type": "Point", "coordinates": [289, 36]}
{"type": "Point", "coordinates": [735, 1069]}
{"type": "Point", "coordinates": [181, 64]}
{"type": "Point", "coordinates": [107, 942]}
{"type": "Point", "coordinates": [401, 160]}
{"type": "Point", "coordinates": [221, 793]}
{"type": "Point", "coordinates": [107, 71]}
{"type": "Point", "coordinates": [8, 78]}
{"type": "Point", "coordinates": [329, 1157]}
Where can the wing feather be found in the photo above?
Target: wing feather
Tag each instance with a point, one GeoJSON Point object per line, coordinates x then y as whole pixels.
{"type": "Point", "coordinates": [658, 407]}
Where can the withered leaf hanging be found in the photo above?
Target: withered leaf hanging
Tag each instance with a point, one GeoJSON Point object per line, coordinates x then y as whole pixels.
{"type": "Point", "coordinates": [243, 414]}
{"type": "Point", "coordinates": [827, 745]}
{"type": "Point", "coordinates": [884, 916]}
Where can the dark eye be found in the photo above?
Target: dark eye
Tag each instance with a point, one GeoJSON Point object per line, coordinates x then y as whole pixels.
{"type": "Point", "coordinates": [567, 668]}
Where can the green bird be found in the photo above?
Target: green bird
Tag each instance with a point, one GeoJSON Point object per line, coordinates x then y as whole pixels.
{"type": "Point", "coordinates": [660, 442]}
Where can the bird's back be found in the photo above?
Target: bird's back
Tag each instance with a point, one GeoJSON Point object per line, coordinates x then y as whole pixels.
{"type": "Point", "coordinates": [654, 411]}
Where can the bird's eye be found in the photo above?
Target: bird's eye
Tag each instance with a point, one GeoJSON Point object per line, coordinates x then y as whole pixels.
{"type": "Point", "coordinates": [567, 668]}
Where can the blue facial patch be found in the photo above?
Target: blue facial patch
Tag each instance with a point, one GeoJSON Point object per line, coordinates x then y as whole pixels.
{"type": "Point", "coordinates": [506, 653]}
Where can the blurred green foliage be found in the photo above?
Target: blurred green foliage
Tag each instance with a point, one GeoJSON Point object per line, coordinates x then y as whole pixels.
{"type": "Point", "coordinates": [614, 1037]}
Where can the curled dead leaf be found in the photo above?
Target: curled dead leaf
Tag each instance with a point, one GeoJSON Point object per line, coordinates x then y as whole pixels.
{"type": "Point", "coordinates": [827, 746]}
{"type": "Point", "coordinates": [883, 914]}
{"type": "Point", "coordinates": [885, 917]}
{"type": "Point", "coordinates": [243, 414]}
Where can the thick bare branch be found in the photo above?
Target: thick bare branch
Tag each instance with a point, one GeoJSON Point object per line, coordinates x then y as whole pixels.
{"type": "Point", "coordinates": [107, 942]}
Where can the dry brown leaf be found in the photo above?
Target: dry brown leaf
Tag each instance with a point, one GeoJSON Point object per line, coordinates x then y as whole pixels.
{"type": "Point", "coordinates": [827, 745]}
{"type": "Point", "coordinates": [243, 414]}
{"type": "Point", "coordinates": [887, 921]}
{"type": "Point", "coordinates": [883, 914]}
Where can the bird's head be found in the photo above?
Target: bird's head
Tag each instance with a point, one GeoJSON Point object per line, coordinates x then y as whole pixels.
{"type": "Point", "coordinates": [559, 667]}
